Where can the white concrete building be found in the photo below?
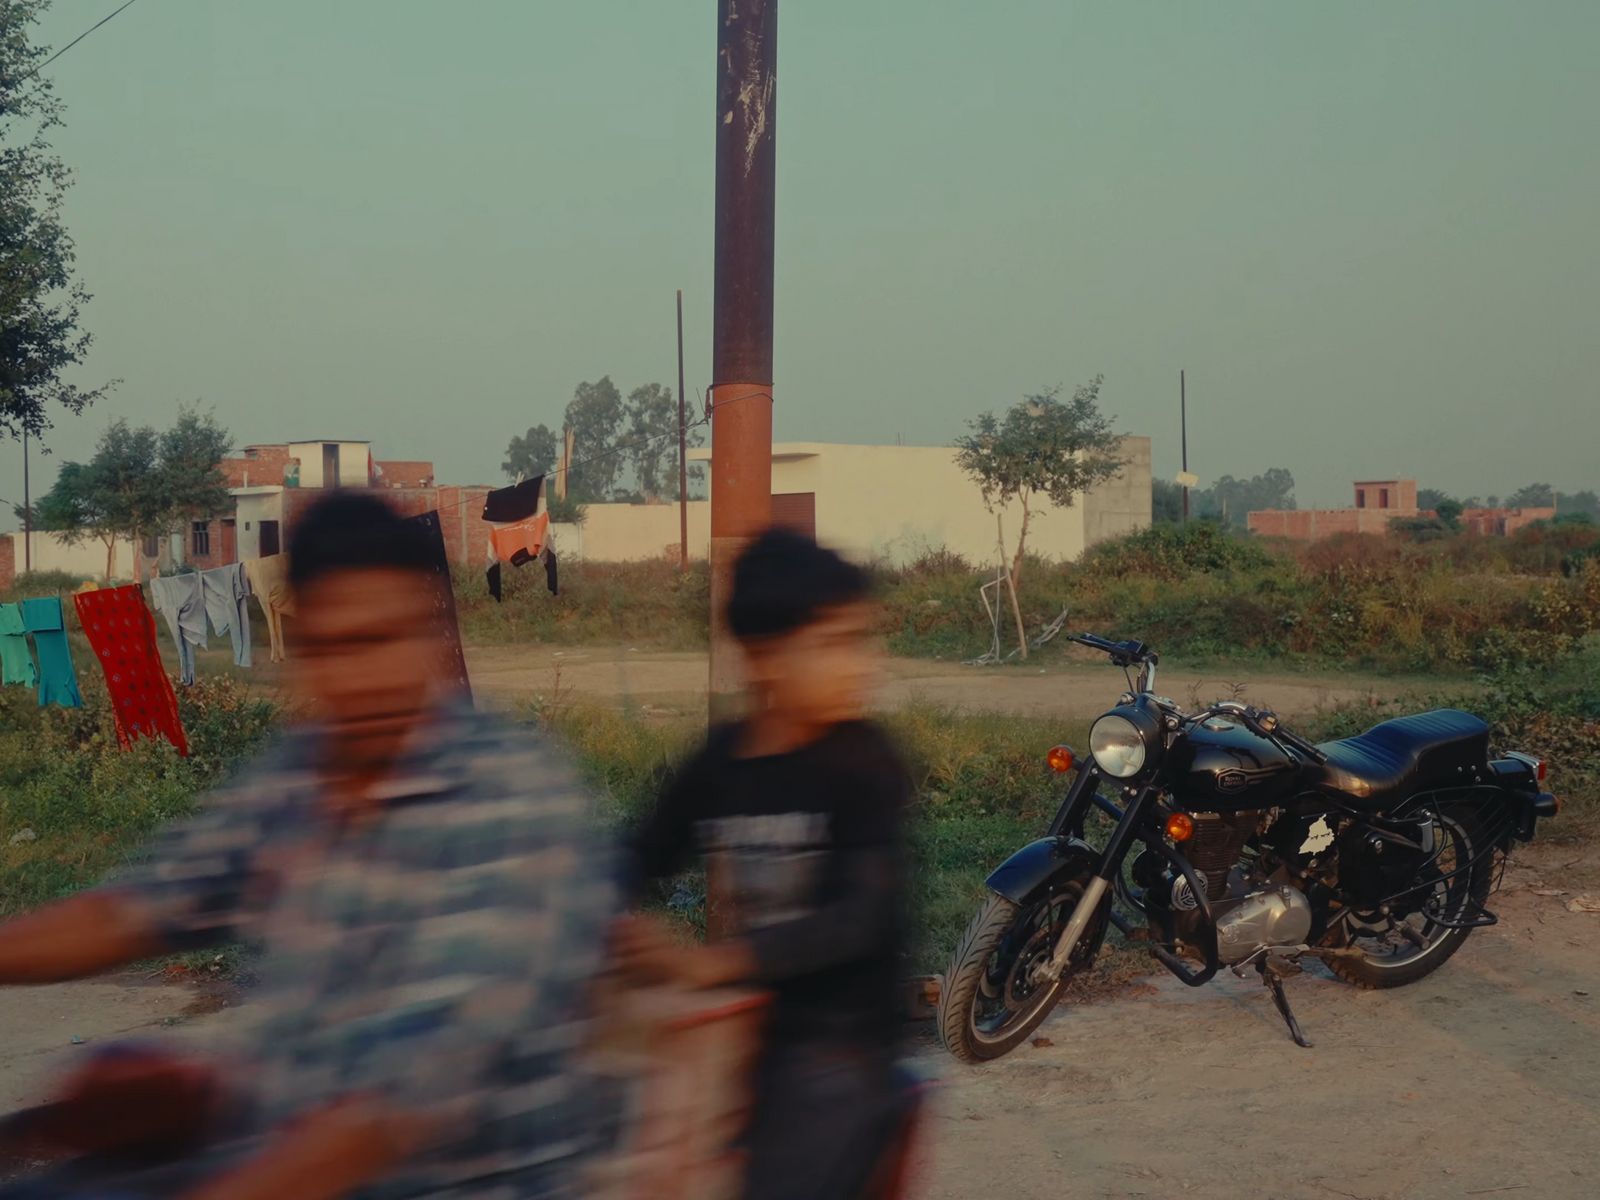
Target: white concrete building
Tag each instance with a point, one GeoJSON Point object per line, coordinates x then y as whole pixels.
{"type": "Point", "coordinates": [885, 503]}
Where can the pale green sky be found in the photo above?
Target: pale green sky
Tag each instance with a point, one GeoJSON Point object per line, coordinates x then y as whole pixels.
{"type": "Point", "coordinates": [1367, 229]}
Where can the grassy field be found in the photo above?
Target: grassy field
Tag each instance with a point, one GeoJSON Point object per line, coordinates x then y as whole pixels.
{"type": "Point", "coordinates": [1459, 606]}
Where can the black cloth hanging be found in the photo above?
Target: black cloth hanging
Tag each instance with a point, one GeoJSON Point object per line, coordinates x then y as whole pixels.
{"type": "Point", "coordinates": [444, 613]}
{"type": "Point", "coordinates": [493, 576]}
{"type": "Point", "coordinates": [548, 554]}
{"type": "Point", "coordinates": [515, 503]}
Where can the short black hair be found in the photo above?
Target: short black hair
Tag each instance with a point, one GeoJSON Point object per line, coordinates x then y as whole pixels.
{"type": "Point", "coordinates": [784, 581]}
{"type": "Point", "coordinates": [348, 529]}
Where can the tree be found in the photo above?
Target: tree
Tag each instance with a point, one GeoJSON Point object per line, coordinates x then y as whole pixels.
{"type": "Point", "coordinates": [1535, 495]}
{"type": "Point", "coordinates": [1586, 503]}
{"type": "Point", "coordinates": [653, 440]}
{"type": "Point", "coordinates": [140, 483]}
{"type": "Point", "coordinates": [534, 453]}
{"type": "Point", "coordinates": [595, 417]}
{"type": "Point", "coordinates": [1042, 449]}
{"type": "Point", "coordinates": [40, 300]}
{"type": "Point", "coordinates": [1166, 502]}
{"type": "Point", "coordinates": [1429, 499]}
{"type": "Point", "coordinates": [101, 499]}
{"type": "Point", "coordinates": [1232, 500]}
{"type": "Point", "coordinates": [1449, 512]}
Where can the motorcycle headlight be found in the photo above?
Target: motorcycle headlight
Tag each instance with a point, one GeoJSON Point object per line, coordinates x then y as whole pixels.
{"type": "Point", "coordinates": [1121, 742]}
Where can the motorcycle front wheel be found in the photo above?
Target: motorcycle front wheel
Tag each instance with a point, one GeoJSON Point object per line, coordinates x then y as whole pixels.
{"type": "Point", "coordinates": [988, 1006]}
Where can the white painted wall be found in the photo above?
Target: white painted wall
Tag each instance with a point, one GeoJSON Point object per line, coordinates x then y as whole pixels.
{"type": "Point", "coordinates": [254, 508]}
{"type": "Point", "coordinates": [352, 463]}
{"type": "Point", "coordinates": [889, 503]}
{"type": "Point", "coordinates": [87, 560]}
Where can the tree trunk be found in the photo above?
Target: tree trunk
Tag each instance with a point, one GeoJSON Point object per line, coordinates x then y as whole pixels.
{"type": "Point", "coordinates": [1016, 573]}
{"type": "Point", "coordinates": [1011, 586]}
{"type": "Point", "coordinates": [111, 556]}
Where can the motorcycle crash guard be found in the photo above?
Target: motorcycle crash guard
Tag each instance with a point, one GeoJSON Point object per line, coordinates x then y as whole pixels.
{"type": "Point", "coordinates": [1043, 862]}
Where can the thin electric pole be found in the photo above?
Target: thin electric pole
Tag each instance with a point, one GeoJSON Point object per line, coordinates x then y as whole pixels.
{"type": "Point", "coordinates": [27, 509]}
{"type": "Point", "coordinates": [741, 347]}
{"type": "Point", "coordinates": [683, 452]}
{"type": "Point", "coordinates": [1183, 415]}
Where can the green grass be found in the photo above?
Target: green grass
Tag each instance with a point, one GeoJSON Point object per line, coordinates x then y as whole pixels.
{"type": "Point", "coordinates": [1198, 594]}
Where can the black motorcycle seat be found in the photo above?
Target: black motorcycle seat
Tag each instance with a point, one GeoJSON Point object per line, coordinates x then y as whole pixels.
{"type": "Point", "coordinates": [1393, 760]}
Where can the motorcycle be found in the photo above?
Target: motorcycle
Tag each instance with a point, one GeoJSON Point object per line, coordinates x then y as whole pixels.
{"type": "Point", "coordinates": [1238, 844]}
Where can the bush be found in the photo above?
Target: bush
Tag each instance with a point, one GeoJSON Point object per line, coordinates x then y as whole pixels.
{"type": "Point", "coordinates": [87, 803]}
{"type": "Point", "coordinates": [41, 583]}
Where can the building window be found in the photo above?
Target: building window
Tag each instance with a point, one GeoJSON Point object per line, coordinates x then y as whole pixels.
{"type": "Point", "coordinates": [1361, 497]}
{"type": "Point", "coordinates": [202, 539]}
{"type": "Point", "coordinates": [152, 546]}
{"type": "Point", "coordinates": [1383, 498]}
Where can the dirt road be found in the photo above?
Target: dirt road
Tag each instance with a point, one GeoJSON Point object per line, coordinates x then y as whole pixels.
{"type": "Point", "coordinates": [1483, 1080]}
{"type": "Point", "coordinates": [664, 683]}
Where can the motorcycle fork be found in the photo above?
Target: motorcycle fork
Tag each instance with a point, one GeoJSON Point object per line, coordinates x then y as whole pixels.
{"type": "Point", "coordinates": [1094, 892]}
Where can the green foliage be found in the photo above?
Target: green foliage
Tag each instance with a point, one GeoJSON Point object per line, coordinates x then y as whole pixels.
{"type": "Point", "coordinates": [88, 803]}
{"type": "Point", "coordinates": [140, 481]}
{"type": "Point", "coordinates": [1166, 502]}
{"type": "Point", "coordinates": [39, 583]}
{"type": "Point", "coordinates": [1232, 500]}
{"type": "Point", "coordinates": [534, 453]}
{"type": "Point", "coordinates": [646, 604]}
{"type": "Point", "coordinates": [653, 441]}
{"type": "Point", "coordinates": [40, 301]}
{"type": "Point", "coordinates": [595, 416]}
{"type": "Point", "coordinates": [1042, 447]}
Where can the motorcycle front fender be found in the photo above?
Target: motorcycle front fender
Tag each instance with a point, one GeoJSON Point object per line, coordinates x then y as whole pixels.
{"type": "Point", "coordinates": [1041, 863]}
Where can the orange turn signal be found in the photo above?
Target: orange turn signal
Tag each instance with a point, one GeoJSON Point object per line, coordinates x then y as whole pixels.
{"type": "Point", "coordinates": [1180, 827]}
{"type": "Point", "coordinates": [1060, 759]}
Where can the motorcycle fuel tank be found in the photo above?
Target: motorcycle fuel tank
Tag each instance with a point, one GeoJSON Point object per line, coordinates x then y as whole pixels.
{"type": "Point", "coordinates": [1220, 767]}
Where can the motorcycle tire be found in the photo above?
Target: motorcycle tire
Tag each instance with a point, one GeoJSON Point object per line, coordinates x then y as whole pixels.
{"type": "Point", "coordinates": [1371, 974]}
{"type": "Point", "coordinates": [965, 975]}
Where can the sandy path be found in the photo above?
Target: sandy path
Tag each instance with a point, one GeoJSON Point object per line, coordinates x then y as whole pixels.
{"type": "Point", "coordinates": [670, 683]}
{"type": "Point", "coordinates": [1484, 1076]}
{"type": "Point", "coordinates": [1483, 1080]}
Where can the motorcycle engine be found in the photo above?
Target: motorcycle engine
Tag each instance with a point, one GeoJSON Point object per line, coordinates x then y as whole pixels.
{"type": "Point", "coordinates": [1250, 912]}
{"type": "Point", "coordinates": [1276, 915]}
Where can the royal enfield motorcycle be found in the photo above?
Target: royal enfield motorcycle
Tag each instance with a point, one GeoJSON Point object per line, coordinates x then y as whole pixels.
{"type": "Point", "coordinates": [1235, 843]}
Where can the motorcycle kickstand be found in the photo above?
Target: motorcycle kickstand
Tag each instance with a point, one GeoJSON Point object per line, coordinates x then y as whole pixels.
{"type": "Point", "coordinates": [1272, 972]}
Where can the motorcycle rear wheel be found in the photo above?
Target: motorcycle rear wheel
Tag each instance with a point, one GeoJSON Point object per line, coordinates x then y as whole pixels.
{"type": "Point", "coordinates": [1390, 959]}
{"type": "Point", "coordinates": [987, 1008]}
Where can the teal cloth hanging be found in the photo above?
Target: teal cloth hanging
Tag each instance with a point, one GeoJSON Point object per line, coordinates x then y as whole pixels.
{"type": "Point", "coordinates": [58, 682]}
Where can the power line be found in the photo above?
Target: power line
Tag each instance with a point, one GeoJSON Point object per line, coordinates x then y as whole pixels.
{"type": "Point", "coordinates": [75, 41]}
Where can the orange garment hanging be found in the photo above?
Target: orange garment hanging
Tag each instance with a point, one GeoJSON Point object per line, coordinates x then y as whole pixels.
{"type": "Point", "coordinates": [521, 541]}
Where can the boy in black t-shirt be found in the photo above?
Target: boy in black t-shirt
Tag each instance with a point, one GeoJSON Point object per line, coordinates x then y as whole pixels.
{"type": "Point", "coordinates": [796, 811]}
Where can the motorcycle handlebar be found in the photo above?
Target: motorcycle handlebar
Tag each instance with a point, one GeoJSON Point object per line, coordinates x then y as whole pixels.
{"type": "Point", "coordinates": [1122, 653]}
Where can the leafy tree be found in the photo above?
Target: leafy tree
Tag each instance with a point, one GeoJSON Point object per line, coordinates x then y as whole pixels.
{"type": "Point", "coordinates": [140, 482]}
{"type": "Point", "coordinates": [1043, 449]}
{"type": "Point", "coordinates": [1448, 512]}
{"type": "Point", "coordinates": [1232, 500]}
{"type": "Point", "coordinates": [1166, 502]}
{"type": "Point", "coordinates": [595, 416]}
{"type": "Point", "coordinates": [1429, 499]}
{"type": "Point", "coordinates": [653, 440]}
{"type": "Point", "coordinates": [534, 453]}
{"type": "Point", "coordinates": [102, 498]}
{"type": "Point", "coordinates": [1585, 503]}
{"type": "Point", "coordinates": [1535, 495]}
{"type": "Point", "coordinates": [40, 300]}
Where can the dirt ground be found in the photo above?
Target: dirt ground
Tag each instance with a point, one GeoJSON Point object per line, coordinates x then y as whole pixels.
{"type": "Point", "coordinates": [664, 684]}
{"type": "Point", "coordinates": [1482, 1080]}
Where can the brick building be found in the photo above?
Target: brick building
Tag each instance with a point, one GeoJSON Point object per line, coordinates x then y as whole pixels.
{"type": "Point", "coordinates": [1378, 502]}
{"type": "Point", "coordinates": [272, 485]}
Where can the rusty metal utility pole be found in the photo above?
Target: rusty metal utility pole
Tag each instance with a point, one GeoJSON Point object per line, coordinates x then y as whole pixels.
{"type": "Point", "coordinates": [683, 452]}
{"type": "Point", "coordinates": [27, 509]}
{"type": "Point", "coordinates": [741, 351]}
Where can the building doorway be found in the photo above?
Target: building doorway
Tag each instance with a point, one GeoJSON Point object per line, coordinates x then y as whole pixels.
{"type": "Point", "coordinates": [796, 511]}
{"type": "Point", "coordinates": [269, 539]}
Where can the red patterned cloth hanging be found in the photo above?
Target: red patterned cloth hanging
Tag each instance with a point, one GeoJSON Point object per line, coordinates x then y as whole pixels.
{"type": "Point", "coordinates": [122, 633]}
